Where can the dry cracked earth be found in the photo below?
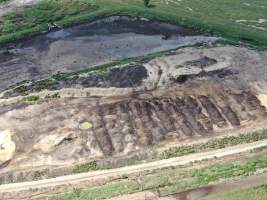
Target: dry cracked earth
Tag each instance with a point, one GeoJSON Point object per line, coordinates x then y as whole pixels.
{"type": "Point", "coordinates": [185, 95]}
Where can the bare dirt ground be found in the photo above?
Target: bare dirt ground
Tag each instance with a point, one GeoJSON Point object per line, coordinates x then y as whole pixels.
{"type": "Point", "coordinates": [217, 94]}
{"type": "Point", "coordinates": [11, 191]}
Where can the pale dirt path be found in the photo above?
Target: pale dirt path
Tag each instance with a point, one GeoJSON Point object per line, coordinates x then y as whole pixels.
{"type": "Point", "coordinates": [91, 176]}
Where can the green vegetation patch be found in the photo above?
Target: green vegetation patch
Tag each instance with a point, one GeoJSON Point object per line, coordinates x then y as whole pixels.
{"type": "Point", "coordinates": [1, 1]}
{"type": "Point", "coordinates": [86, 167]}
{"type": "Point", "coordinates": [39, 15]}
{"type": "Point", "coordinates": [213, 174]}
{"type": "Point", "coordinates": [224, 18]}
{"type": "Point", "coordinates": [218, 143]}
{"type": "Point", "coordinates": [31, 98]}
{"type": "Point", "coordinates": [35, 86]}
{"type": "Point", "coordinates": [103, 192]}
{"type": "Point", "coordinates": [256, 193]}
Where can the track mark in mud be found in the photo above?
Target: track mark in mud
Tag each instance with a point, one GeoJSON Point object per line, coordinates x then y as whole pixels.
{"type": "Point", "coordinates": [124, 125]}
{"type": "Point", "coordinates": [143, 130]}
{"type": "Point", "coordinates": [213, 112]}
{"type": "Point", "coordinates": [230, 115]}
{"type": "Point", "coordinates": [251, 104]}
{"type": "Point", "coordinates": [145, 122]}
{"type": "Point", "coordinates": [102, 134]}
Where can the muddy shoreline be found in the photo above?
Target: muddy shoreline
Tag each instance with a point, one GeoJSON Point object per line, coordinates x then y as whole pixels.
{"type": "Point", "coordinates": [91, 44]}
{"type": "Point", "coordinates": [99, 18]}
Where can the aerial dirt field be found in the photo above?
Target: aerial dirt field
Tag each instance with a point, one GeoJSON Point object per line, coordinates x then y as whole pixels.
{"type": "Point", "coordinates": [85, 86]}
{"type": "Point", "coordinates": [218, 93]}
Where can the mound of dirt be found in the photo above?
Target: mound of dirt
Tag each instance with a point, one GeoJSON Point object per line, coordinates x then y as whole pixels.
{"type": "Point", "coordinates": [48, 143]}
{"type": "Point", "coordinates": [7, 147]}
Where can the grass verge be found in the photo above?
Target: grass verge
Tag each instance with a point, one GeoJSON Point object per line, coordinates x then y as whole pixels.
{"type": "Point", "coordinates": [218, 143]}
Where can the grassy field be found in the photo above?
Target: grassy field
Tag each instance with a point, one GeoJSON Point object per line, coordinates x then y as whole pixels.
{"type": "Point", "coordinates": [171, 181]}
{"type": "Point", "coordinates": [236, 20]}
{"type": "Point", "coordinates": [257, 193]}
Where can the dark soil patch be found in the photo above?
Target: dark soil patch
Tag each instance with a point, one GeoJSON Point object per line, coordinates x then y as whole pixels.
{"type": "Point", "coordinates": [130, 76]}
{"type": "Point", "coordinates": [203, 62]}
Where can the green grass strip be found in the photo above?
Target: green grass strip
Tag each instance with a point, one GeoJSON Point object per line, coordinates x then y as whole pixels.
{"type": "Point", "coordinates": [212, 144]}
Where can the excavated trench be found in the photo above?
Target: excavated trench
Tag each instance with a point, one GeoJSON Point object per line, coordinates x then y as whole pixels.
{"type": "Point", "coordinates": [150, 121]}
{"type": "Point", "coordinates": [86, 45]}
{"type": "Point", "coordinates": [120, 127]}
{"type": "Point", "coordinates": [133, 123]}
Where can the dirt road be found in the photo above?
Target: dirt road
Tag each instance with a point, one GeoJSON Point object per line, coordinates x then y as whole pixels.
{"type": "Point", "coordinates": [91, 176]}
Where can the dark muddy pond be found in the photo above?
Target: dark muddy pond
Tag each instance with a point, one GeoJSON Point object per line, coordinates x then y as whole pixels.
{"type": "Point", "coordinates": [224, 187]}
{"type": "Point", "coordinates": [89, 44]}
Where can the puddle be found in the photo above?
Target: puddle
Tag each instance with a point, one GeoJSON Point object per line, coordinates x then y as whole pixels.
{"type": "Point", "coordinates": [194, 194]}
{"type": "Point", "coordinates": [238, 184]}
{"type": "Point", "coordinates": [89, 44]}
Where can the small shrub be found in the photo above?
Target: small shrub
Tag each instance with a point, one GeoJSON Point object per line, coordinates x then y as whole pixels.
{"type": "Point", "coordinates": [31, 98]}
{"type": "Point", "coordinates": [90, 166]}
{"type": "Point", "coordinates": [21, 90]}
{"type": "Point", "coordinates": [53, 96]}
{"type": "Point", "coordinates": [146, 2]}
